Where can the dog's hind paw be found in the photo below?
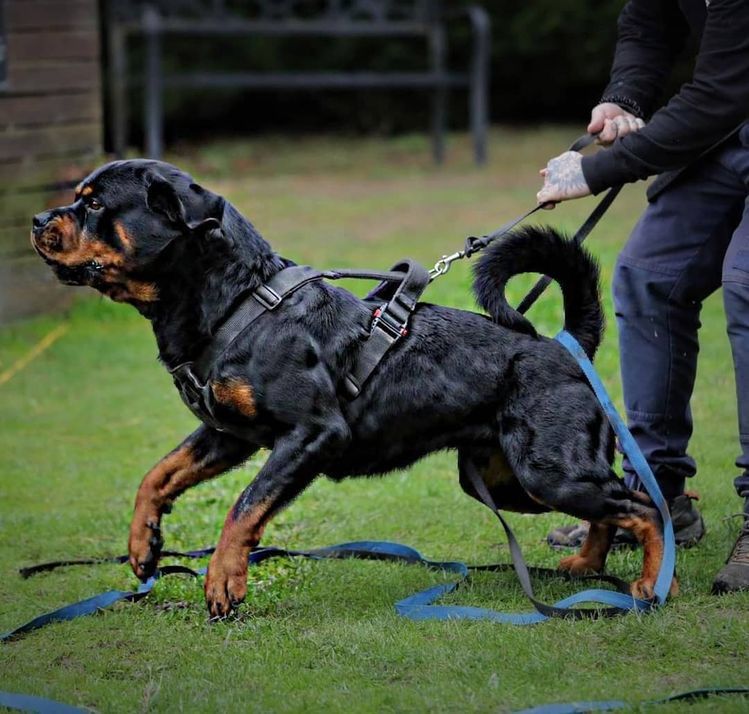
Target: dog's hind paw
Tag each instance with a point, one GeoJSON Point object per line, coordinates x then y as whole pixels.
{"type": "Point", "coordinates": [644, 588]}
{"type": "Point", "coordinates": [579, 565]}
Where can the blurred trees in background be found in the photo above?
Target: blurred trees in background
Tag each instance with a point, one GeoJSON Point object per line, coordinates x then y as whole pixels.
{"type": "Point", "coordinates": [550, 61]}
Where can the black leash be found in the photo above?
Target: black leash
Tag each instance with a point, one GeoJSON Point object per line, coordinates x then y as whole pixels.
{"type": "Point", "coordinates": [582, 233]}
{"type": "Point", "coordinates": [475, 244]}
{"type": "Point", "coordinates": [522, 571]}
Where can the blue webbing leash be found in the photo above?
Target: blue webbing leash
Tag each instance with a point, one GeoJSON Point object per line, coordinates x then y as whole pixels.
{"type": "Point", "coordinates": [691, 696]}
{"type": "Point", "coordinates": [40, 705]}
{"type": "Point", "coordinates": [421, 605]}
{"type": "Point", "coordinates": [634, 454]}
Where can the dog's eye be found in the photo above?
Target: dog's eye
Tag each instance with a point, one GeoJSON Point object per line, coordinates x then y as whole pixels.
{"type": "Point", "coordinates": [95, 204]}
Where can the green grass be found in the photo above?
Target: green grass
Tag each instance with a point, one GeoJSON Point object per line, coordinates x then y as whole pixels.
{"type": "Point", "coordinates": [82, 423]}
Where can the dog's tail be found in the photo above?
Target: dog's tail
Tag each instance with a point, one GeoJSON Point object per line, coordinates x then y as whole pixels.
{"type": "Point", "coordinates": [543, 250]}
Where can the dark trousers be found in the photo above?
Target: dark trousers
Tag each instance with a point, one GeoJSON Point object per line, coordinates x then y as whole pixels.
{"type": "Point", "coordinates": [691, 240]}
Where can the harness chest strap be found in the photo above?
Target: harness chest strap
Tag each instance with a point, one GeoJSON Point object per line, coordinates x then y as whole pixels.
{"type": "Point", "coordinates": [388, 326]}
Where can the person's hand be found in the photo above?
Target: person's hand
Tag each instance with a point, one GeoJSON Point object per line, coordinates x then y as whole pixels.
{"type": "Point", "coordinates": [611, 122]}
{"type": "Point", "coordinates": [563, 179]}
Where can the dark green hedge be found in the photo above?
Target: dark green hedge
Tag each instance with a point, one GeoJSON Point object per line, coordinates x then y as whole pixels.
{"type": "Point", "coordinates": [550, 61]}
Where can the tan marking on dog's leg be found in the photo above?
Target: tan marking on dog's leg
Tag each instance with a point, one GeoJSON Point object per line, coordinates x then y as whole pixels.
{"type": "Point", "coordinates": [592, 555]}
{"type": "Point", "coordinates": [173, 475]}
{"type": "Point", "coordinates": [226, 580]}
{"type": "Point", "coordinates": [648, 532]}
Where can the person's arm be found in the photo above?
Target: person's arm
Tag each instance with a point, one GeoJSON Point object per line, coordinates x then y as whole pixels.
{"type": "Point", "coordinates": [650, 35]}
{"type": "Point", "coordinates": [712, 104]}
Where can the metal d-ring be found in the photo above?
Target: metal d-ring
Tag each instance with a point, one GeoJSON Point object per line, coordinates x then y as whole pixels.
{"type": "Point", "coordinates": [444, 264]}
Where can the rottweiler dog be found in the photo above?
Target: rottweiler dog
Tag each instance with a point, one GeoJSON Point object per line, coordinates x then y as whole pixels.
{"type": "Point", "coordinates": [511, 402]}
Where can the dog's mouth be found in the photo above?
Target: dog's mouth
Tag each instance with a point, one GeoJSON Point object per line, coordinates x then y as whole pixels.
{"type": "Point", "coordinates": [75, 257]}
{"type": "Point", "coordinates": [84, 273]}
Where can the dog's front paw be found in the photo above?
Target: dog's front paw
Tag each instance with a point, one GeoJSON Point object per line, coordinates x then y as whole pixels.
{"type": "Point", "coordinates": [144, 546]}
{"type": "Point", "coordinates": [226, 581]}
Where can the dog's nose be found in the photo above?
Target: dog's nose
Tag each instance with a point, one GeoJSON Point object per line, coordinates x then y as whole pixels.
{"type": "Point", "coordinates": [41, 219]}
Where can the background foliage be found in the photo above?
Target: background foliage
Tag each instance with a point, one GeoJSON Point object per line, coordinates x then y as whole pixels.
{"type": "Point", "coordinates": [550, 61]}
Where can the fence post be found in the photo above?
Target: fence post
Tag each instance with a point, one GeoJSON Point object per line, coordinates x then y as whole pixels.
{"type": "Point", "coordinates": [154, 113]}
{"type": "Point", "coordinates": [117, 72]}
{"type": "Point", "coordinates": [438, 47]}
{"type": "Point", "coordinates": [479, 100]}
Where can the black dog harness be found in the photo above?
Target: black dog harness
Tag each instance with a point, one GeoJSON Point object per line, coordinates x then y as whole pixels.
{"type": "Point", "coordinates": [398, 294]}
{"type": "Point", "coordinates": [400, 288]}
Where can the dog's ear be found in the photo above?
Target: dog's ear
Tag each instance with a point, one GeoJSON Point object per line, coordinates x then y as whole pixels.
{"type": "Point", "coordinates": [204, 212]}
{"type": "Point", "coordinates": [198, 210]}
{"type": "Point", "coordinates": [161, 197]}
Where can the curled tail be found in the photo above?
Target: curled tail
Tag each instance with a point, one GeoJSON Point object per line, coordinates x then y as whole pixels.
{"type": "Point", "coordinates": [543, 250]}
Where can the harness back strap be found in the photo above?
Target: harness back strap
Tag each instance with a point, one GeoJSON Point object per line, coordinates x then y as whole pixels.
{"type": "Point", "coordinates": [389, 325]}
{"type": "Point", "coordinates": [266, 298]}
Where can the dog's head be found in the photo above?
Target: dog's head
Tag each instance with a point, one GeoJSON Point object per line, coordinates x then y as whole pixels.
{"type": "Point", "coordinates": [123, 219]}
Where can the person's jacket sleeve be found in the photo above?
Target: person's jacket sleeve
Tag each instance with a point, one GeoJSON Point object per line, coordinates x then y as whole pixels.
{"type": "Point", "coordinates": [704, 110]}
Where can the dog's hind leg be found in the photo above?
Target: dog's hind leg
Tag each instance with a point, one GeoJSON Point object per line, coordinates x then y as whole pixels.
{"type": "Point", "coordinates": [559, 468]}
{"type": "Point", "coordinates": [592, 555]}
{"type": "Point", "coordinates": [204, 454]}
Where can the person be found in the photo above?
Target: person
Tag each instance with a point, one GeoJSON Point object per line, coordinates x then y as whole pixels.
{"type": "Point", "coordinates": [692, 238]}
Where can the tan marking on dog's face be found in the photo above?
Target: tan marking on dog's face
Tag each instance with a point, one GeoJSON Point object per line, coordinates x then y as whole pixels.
{"type": "Point", "coordinates": [236, 394]}
{"type": "Point", "coordinates": [63, 242]}
{"type": "Point", "coordinates": [131, 291]}
{"type": "Point", "coordinates": [124, 236]}
{"type": "Point", "coordinates": [83, 190]}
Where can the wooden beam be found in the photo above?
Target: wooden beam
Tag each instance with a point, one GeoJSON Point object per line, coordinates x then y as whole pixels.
{"type": "Point", "coordinates": [28, 288]}
{"type": "Point", "coordinates": [46, 45]}
{"type": "Point", "coordinates": [48, 109]}
{"type": "Point", "coordinates": [41, 78]}
{"type": "Point", "coordinates": [50, 141]}
{"type": "Point", "coordinates": [30, 172]}
{"type": "Point", "coordinates": [48, 14]}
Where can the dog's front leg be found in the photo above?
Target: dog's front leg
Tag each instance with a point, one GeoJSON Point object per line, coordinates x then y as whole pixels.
{"type": "Point", "coordinates": [294, 462]}
{"type": "Point", "coordinates": [204, 454]}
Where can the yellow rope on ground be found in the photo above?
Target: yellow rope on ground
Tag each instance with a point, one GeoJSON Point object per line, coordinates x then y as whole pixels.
{"type": "Point", "coordinates": [33, 353]}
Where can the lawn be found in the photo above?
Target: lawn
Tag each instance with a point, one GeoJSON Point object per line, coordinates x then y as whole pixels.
{"type": "Point", "coordinates": [82, 422]}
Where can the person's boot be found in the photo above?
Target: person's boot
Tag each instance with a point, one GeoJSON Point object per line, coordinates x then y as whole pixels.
{"type": "Point", "coordinates": [734, 575]}
{"type": "Point", "coordinates": [689, 528]}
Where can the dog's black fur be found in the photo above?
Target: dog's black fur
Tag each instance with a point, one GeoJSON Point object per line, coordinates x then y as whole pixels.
{"type": "Point", "coordinates": [514, 403]}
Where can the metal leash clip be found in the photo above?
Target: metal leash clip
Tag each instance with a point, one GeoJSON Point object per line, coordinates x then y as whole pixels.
{"type": "Point", "coordinates": [443, 265]}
